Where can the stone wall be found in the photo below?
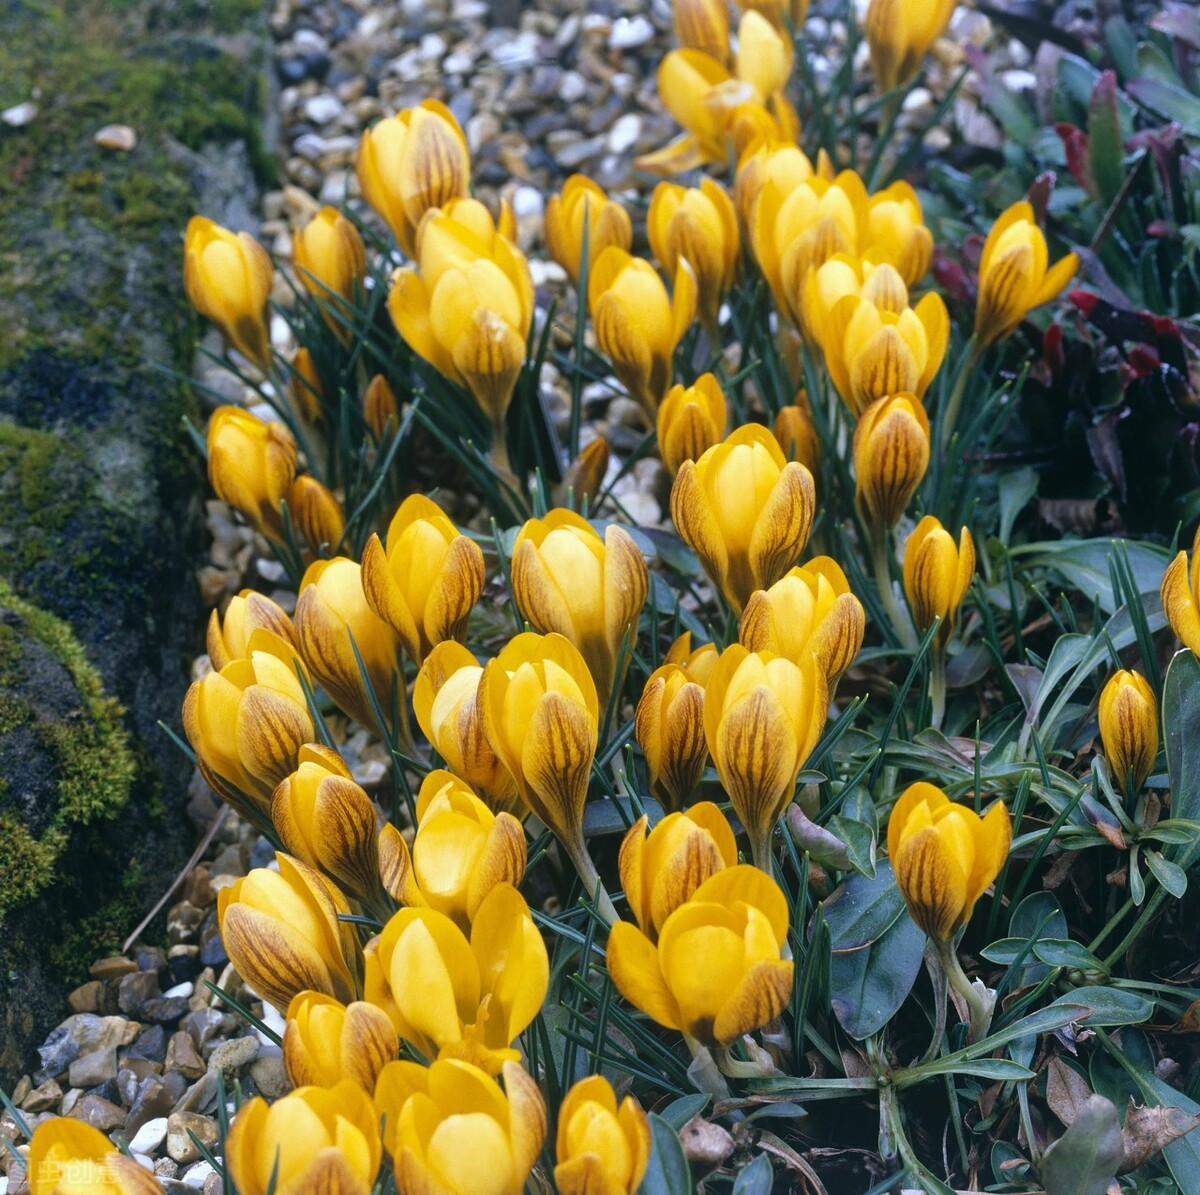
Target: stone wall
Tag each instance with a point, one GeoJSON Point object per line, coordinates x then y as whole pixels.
{"type": "Point", "coordinates": [100, 486]}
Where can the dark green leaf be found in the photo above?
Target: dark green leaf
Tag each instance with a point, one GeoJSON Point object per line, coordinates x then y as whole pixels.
{"type": "Point", "coordinates": [871, 983]}
{"type": "Point", "coordinates": [1085, 1159]}
{"type": "Point", "coordinates": [678, 1112]}
{"type": "Point", "coordinates": [667, 1172]}
{"type": "Point", "coordinates": [1105, 143]}
{"type": "Point", "coordinates": [1109, 1006]}
{"type": "Point", "coordinates": [1062, 952]}
{"type": "Point", "coordinates": [1170, 875]}
{"type": "Point", "coordinates": [863, 909]}
{"type": "Point", "coordinates": [1168, 100]}
{"type": "Point", "coordinates": [1181, 727]}
{"type": "Point", "coordinates": [755, 1179]}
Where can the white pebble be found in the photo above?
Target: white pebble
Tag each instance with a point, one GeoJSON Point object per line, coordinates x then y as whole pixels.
{"type": "Point", "coordinates": [150, 1136]}
{"type": "Point", "coordinates": [630, 32]}
{"type": "Point", "coordinates": [572, 87]}
{"type": "Point", "coordinates": [198, 1175]}
{"type": "Point", "coordinates": [528, 201]}
{"type": "Point", "coordinates": [181, 989]}
{"type": "Point", "coordinates": [458, 63]}
{"type": "Point", "coordinates": [116, 136]}
{"type": "Point", "coordinates": [624, 133]}
{"type": "Point", "coordinates": [19, 115]}
{"type": "Point", "coordinates": [323, 109]}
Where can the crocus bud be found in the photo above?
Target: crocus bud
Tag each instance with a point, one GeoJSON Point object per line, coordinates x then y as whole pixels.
{"type": "Point", "coordinates": [745, 511]}
{"type": "Point", "coordinates": [565, 578]}
{"type": "Point", "coordinates": [690, 421]}
{"type": "Point", "coordinates": [764, 55]}
{"type": "Point", "coordinates": [637, 325]}
{"type": "Point", "coordinates": [763, 715]}
{"type": "Point", "coordinates": [1013, 274]}
{"type": "Point", "coordinates": [797, 435]}
{"type": "Point", "coordinates": [937, 574]}
{"type": "Point", "coordinates": [412, 162]}
{"type": "Point", "coordinates": [327, 821]}
{"type": "Point", "coordinates": [251, 622]}
{"type": "Point", "coordinates": [1179, 591]}
{"type": "Point", "coordinates": [608, 223]}
{"type": "Point", "coordinates": [69, 1157]}
{"type": "Point", "coordinates": [306, 389]}
{"type": "Point", "coordinates": [896, 231]}
{"type": "Point", "coordinates": [944, 856]}
{"type": "Point", "coordinates": [476, 331]}
{"type": "Point", "coordinates": [313, 1141]}
{"type": "Point", "coordinates": [251, 464]}
{"type": "Point", "coordinates": [332, 610]}
{"type": "Point", "coordinates": [669, 727]}
{"type": "Point", "coordinates": [809, 610]}
{"type": "Point", "coordinates": [600, 1146]}
{"type": "Point", "coordinates": [786, 165]}
{"type": "Point", "coordinates": [228, 279]}
{"type": "Point", "coordinates": [326, 1042]}
{"type": "Point", "coordinates": [697, 662]}
{"type": "Point", "coordinates": [380, 408]}
{"type": "Point", "coordinates": [445, 701]}
{"type": "Point", "coordinates": [462, 850]}
{"type": "Point", "coordinates": [282, 933]}
{"type": "Point", "coordinates": [541, 716]}
{"type": "Point", "coordinates": [1129, 727]}
{"type": "Point", "coordinates": [329, 258]}
{"type": "Point", "coordinates": [461, 998]}
{"type": "Point", "coordinates": [583, 479]}
{"type": "Point", "coordinates": [702, 25]}
{"type": "Point", "coordinates": [891, 454]}
{"type": "Point", "coordinates": [247, 724]}
{"type": "Point", "coordinates": [450, 1128]}
{"type": "Point", "coordinates": [743, 984]}
{"type": "Point", "coordinates": [699, 225]}
{"type": "Point", "coordinates": [316, 514]}
{"type": "Point", "coordinates": [899, 35]}
{"type": "Point", "coordinates": [663, 868]}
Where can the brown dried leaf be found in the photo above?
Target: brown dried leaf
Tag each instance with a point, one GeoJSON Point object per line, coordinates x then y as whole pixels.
{"type": "Point", "coordinates": [1066, 1090]}
{"type": "Point", "coordinates": [1147, 1130]}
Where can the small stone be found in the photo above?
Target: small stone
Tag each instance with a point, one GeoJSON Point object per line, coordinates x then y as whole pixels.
{"type": "Point", "coordinates": [182, 1057]}
{"type": "Point", "coordinates": [572, 87]}
{"type": "Point", "coordinates": [116, 136]}
{"type": "Point", "coordinates": [112, 967]}
{"type": "Point", "coordinates": [149, 958]}
{"type": "Point", "coordinates": [166, 1168]}
{"type": "Point", "coordinates": [164, 1011]}
{"type": "Point", "coordinates": [184, 989]}
{"type": "Point", "coordinates": [90, 1070]}
{"type": "Point", "coordinates": [43, 1098]}
{"type": "Point", "coordinates": [199, 1176]}
{"type": "Point", "coordinates": [212, 952]}
{"type": "Point", "coordinates": [149, 1137]}
{"type": "Point", "coordinates": [135, 990]}
{"type": "Point", "coordinates": [323, 109]}
{"type": "Point", "coordinates": [150, 1043]}
{"type": "Point", "coordinates": [86, 997]}
{"type": "Point", "coordinates": [630, 32]}
{"type": "Point", "coordinates": [23, 1088]}
{"type": "Point", "coordinates": [202, 1025]}
{"type": "Point", "coordinates": [181, 1126]}
{"type": "Point", "coordinates": [270, 1076]}
{"type": "Point", "coordinates": [624, 134]}
{"type": "Point", "coordinates": [231, 1056]}
{"type": "Point", "coordinates": [100, 1113]}
{"type": "Point", "coordinates": [19, 115]}
{"type": "Point", "coordinates": [183, 962]}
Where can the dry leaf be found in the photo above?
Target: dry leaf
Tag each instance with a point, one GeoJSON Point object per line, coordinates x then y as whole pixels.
{"type": "Point", "coordinates": [1147, 1130]}
{"type": "Point", "coordinates": [1066, 1090]}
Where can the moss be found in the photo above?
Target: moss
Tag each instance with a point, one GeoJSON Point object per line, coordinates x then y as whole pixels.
{"type": "Point", "coordinates": [92, 762]}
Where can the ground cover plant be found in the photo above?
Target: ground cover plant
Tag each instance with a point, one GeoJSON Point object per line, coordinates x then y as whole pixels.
{"type": "Point", "coordinates": [835, 837]}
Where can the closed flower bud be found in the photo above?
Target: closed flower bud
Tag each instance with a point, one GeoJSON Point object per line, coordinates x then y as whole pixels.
{"type": "Point", "coordinates": [779, 162]}
{"type": "Point", "coordinates": [763, 715]}
{"type": "Point", "coordinates": [1129, 728]}
{"type": "Point", "coordinates": [326, 1041]}
{"type": "Point", "coordinates": [412, 162]}
{"type": "Point", "coordinates": [944, 856]}
{"type": "Point", "coordinates": [251, 622]}
{"type": "Point", "coordinates": [699, 225]}
{"type": "Point", "coordinates": [1179, 591]}
{"type": "Point", "coordinates": [565, 578]}
{"type": "Point", "coordinates": [637, 325]}
{"type": "Point", "coordinates": [743, 984]}
{"type": "Point", "coordinates": [600, 1147]}
{"type": "Point", "coordinates": [247, 724]}
{"type": "Point", "coordinates": [329, 258]}
{"type": "Point", "coordinates": [584, 478]}
{"type": "Point", "coordinates": [459, 997]}
{"type": "Point", "coordinates": [1013, 274]}
{"type": "Point", "coordinates": [380, 409]}
{"type": "Point", "coordinates": [809, 610]}
{"type": "Point", "coordinates": [690, 421]}
{"type": "Point", "coordinates": [313, 1141]}
{"type": "Point", "coordinates": [332, 619]}
{"type": "Point", "coordinates": [764, 55]}
{"type": "Point", "coordinates": [306, 389]}
{"type": "Point", "coordinates": [461, 851]}
{"type": "Point", "coordinates": [326, 820]}
{"type": "Point", "coordinates": [797, 435]}
{"type": "Point", "coordinates": [697, 662]}
{"type": "Point", "coordinates": [282, 933]}
{"type": "Point", "coordinates": [702, 25]}
{"type": "Point", "coordinates": [891, 454]}
{"type": "Point", "coordinates": [663, 868]}
{"type": "Point", "coordinates": [450, 1128]}
{"type": "Point", "coordinates": [445, 701]}
{"type": "Point", "coordinates": [896, 231]}
{"type": "Point", "coordinates": [580, 201]}
{"type": "Point", "coordinates": [937, 574]}
{"type": "Point", "coordinates": [900, 34]}
{"type": "Point", "coordinates": [69, 1157]}
{"type": "Point", "coordinates": [228, 279]}
{"type": "Point", "coordinates": [745, 511]}
{"type": "Point", "coordinates": [316, 514]}
{"type": "Point", "coordinates": [426, 583]}
{"type": "Point", "coordinates": [475, 333]}
{"type": "Point", "coordinates": [251, 464]}
{"type": "Point", "coordinates": [669, 726]}
{"type": "Point", "coordinates": [541, 716]}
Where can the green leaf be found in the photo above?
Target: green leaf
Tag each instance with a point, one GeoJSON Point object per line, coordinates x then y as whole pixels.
{"type": "Point", "coordinates": [863, 909]}
{"type": "Point", "coordinates": [1181, 725]}
{"type": "Point", "coordinates": [1169, 101]}
{"type": "Point", "coordinates": [1085, 1159]}
{"type": "Point", "coordinates": [858, 840]}
{"type": "Point", "coordinates": [1062, 952]}
{"type": "Point", "coordinates": [871, 983]}
{"type": "Point", "coordinates": [1170, 875]}
{"type": "Point", "coordinates": [678, 1112]}
{"type": "Point", "coordinates": [1106, 151]}
{"type": "Point", "coordinates": [1084, 564]}
{"type": "Point", "coordinates": [667, 1172]}
{"type": "Point", "coordinates": [1109, 1006]}
{"type": "Point", "coordinates": [1003, 1069]}
{"type": "Point", "coordinates": [1015, 490]}
{"type": "Point", "coordinates": [755, 1179]}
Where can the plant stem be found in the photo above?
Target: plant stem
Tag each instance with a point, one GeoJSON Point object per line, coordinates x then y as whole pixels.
{"type": "Point", "coordinates": [937, 684]}
{"type": "Point", "coordinates": [900, 621]}
{"type": "Point", "coordinates": [980, 1015]}
{"type": "Point", "coordinates": [703, 1071]}
{"type": "Point", "coordinates": [954, 402]}
{"type": "Point", "coordinates": [937, 977]}
{"type": "Point", "coordinates": [594, 886]}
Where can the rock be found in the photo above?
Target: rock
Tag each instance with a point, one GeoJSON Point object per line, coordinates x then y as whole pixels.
{"type": "Point", "coordinates": [135, 990]}
{"type": "Point", "coordinates": [86, 997]}
{"type": "Point", "coordinates": [323, 109]}
{"type": "Point", "coordinates": [231, 1056]}
{"type": "Point", "coordinates": [181, 1127]}
{"type": "Point", "coordinates": [43, 1098]}
{"type": "Point", "coordinates": [270, 1076]}
{"type": "Point", "coordinates": [100, 1113]}
{"type": "Point", "coordinates": [150, 1043]}
{"type": "Point", "coordinates": [182, 1058]}
{"type": "Point", "coordinates": [164, 1010]}
{"type": "Point", "coordinates": [630, 32]}
{"type": "Point", "coordinates": [90, 1070]}
{"type": "Point", "coordinates": [149, 1137]}
{"type": "Point", "coordinates": [19, 115]}
{"type": "Point", "coordinates": [624, 134]}
{"type": "Point", "coordinates": [200, 1176]}
{"type": "Point", "coordinates": [212, 952]}
{"type": "Point", "coordinates": [112, 967]}
{"type": "Point", "coordinates": [116, 136]}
